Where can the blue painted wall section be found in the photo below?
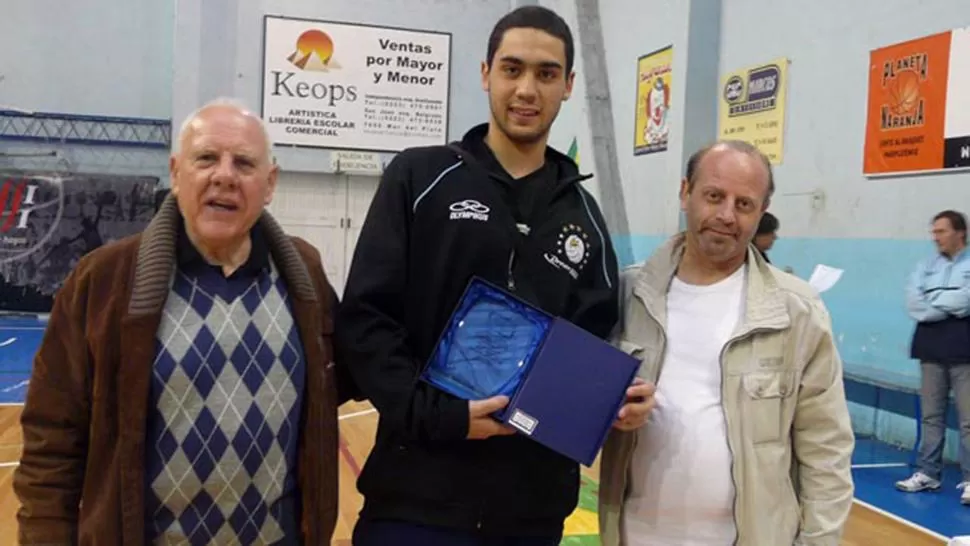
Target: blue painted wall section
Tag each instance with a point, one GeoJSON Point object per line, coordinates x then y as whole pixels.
{"type": "Point", "coordinates": [871, 326]}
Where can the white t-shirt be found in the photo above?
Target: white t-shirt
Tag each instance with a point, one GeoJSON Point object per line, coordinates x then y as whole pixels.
{"type": "Point", "coordinates": [682, 491]}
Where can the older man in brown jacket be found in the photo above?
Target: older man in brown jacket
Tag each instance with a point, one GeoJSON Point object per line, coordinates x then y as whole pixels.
{"type": "Point", "coordinates": [185, 390]}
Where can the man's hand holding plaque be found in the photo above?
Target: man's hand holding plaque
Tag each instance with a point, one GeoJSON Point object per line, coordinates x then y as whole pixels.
{"type": "Point", "coordinates": [481, 424]}
{"type": "Point", "coordinates": [636, 410]}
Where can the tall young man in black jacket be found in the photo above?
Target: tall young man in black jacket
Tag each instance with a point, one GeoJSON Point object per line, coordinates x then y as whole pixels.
{"type": "Point", "coordinates": [502, 205]}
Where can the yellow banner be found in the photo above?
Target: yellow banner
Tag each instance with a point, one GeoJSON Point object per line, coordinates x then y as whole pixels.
{"type": "Point", "coordinates": [752, 107]}
{"type": "Point", "coordinates": [653, 101]}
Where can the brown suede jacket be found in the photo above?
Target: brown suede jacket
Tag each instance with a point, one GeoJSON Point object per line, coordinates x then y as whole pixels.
{"type": "Point", "coordinates": [81, 478]}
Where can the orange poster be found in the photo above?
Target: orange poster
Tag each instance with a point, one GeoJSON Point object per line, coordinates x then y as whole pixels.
{"type": "Point", "coordinates": [907, 106]}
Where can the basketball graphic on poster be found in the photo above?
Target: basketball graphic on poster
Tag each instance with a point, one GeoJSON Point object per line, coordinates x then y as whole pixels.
{"type": "Point", "coordinates": [904, 92]}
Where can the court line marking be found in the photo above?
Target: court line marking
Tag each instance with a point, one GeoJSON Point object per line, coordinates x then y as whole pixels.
{"type": "Point", "coordinates": [879, 465]}
{"type": "Point", "coordinates": [9, 465]}
{"type": "Point", "coordinates": [349, 457]}
{"type": "Point", "coordinates": [357, 414]}
{"type": "Point", "coordinates": [23, 383]}
{"type": "Point", "coordinates": [902, 520]}
{"type": "Point", "coordinates": [29, 328]}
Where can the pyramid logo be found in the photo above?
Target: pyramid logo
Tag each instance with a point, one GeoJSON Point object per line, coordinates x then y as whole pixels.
{"type": "Point", "coordinates": [314, 52]}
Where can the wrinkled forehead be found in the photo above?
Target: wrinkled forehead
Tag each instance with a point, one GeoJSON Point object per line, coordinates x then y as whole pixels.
{"type": "Point", "coordinates": [734, 172]}
{"type": "Point", "coordinates": [225, 131]}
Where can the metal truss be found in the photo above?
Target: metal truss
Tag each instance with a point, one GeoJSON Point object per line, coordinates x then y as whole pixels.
{"type": "Point", "coordinates": [53, 128]}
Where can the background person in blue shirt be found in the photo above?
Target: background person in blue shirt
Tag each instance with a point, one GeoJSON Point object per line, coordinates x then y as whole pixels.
{"type": "Point", "coordinates": [938, 298]}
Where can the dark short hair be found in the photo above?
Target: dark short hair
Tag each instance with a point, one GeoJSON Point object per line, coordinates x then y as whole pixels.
{"type": "Point", "coordinates": [536, 17]}
{"type": "Point", "coordinates": [957, 220]}
{"type": "Point", "coordinates": [693, 163]}
{"type": "Point", "coordinates": [768, 224]}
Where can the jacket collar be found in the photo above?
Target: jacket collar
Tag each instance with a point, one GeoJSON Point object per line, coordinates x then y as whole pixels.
{"type": "Point", "coordinates": [473, 143]}
{"type": "Point", "coordinates": [765, 303]}
{"type": "Point", "coordinates": [156, 261]}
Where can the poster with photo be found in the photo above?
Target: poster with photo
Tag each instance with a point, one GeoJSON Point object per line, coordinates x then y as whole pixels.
{"type": "Point", "coordinates": [652, 123]}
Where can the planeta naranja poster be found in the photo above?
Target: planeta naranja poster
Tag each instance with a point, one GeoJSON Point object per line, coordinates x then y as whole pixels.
{"type": "Point", "coordinates": [917, 119]}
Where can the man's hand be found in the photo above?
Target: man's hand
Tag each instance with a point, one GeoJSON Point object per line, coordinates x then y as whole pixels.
{"type": "Point", "coordinates": [480, 424]}
{"type": "Point", "coordinates": [639, 404]}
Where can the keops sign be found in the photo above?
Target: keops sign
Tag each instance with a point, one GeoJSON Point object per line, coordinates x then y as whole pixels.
{"type": "Point", "coordinates": [348, 86]}
{"type": "Point", "coordinates": [30, 211]}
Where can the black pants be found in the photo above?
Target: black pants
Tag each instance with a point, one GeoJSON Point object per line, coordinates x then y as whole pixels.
{"type": "Point", "coordinates": [399, 533]}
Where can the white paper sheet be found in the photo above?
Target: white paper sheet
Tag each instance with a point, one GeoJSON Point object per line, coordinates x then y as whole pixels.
{"type": "Point", "coordinates": [824, 277]}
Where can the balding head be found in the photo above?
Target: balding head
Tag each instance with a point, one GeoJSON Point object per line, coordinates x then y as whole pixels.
{"type": "Point", "coordinates": [735, 146]}
{"type": "Point", "coordinates": [222, 175]}
{"type": "Point", "coordinates": [726, 190]}
{"type": "Point", "coordinates": [226, 105]}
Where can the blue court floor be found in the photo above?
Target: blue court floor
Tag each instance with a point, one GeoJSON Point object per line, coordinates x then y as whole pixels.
{"type": "Point", "coordinates": [876, 466]}
{"type": "Point", "coordinates": [19, 339]}
{"type": "Point", "coordinates": [876, 469]}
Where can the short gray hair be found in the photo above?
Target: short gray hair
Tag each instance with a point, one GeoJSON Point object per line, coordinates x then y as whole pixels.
{"type": "Point", "coordinates": [228, 102]}
{"type": "Point", "coordinates": [693, 163]}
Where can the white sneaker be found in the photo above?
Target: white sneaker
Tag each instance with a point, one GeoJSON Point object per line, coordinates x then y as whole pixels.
{"type": "Point", "coordinates": [919, 482]}
{"type": "Point", "coordinates": [965, 497]}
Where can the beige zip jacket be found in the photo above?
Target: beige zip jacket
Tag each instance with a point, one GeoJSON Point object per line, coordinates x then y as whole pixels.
{"type": "Point", "coordinates": [784, 402]}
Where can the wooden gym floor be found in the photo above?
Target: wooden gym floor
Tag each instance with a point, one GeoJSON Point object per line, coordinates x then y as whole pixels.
{"type": "Point", "coordinates": [357, 425]}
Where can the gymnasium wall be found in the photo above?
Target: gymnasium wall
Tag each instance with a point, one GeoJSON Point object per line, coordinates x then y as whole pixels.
{"type": "Point", "coordinates": [218, 51]}
{"type": "Point", "coordinates": [874, 229]}
{"type": "Point", "coordinates": [144, 58]}
{"type": "Point", "coordinates": [91, 57]}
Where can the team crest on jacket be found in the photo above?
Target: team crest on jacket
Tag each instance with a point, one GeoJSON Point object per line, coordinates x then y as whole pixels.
{"type": "Point", "coordinates": [574, 245]}
{"type": "Point", "coordinates": [572, 250]}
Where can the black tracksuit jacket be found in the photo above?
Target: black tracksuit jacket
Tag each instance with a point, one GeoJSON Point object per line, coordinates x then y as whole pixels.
{"type": "Point", "coordinates": [441, 215]}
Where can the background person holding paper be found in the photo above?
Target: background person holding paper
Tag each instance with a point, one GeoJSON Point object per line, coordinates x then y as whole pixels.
{"type": "Point", "coordinates": [750, 442]}
{"type": "Point", "coordinates": [938, 299]}
{"type": "Point", "coordinates": [503, 206]}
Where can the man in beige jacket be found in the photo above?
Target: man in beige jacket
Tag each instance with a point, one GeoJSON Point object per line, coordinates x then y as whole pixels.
{"type": "Point", "coordinates": [750, 441]}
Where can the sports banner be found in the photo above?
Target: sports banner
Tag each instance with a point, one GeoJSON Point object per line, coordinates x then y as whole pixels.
{"type": "Point", "coordinates": [751, 107]}
{"type": "Point", "coordinates": [47, 223]}
{"type": "Point", "coordinates": [918, 119]}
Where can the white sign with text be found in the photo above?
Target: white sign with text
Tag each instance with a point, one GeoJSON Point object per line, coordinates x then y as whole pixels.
{"type": "Point", "coordinates": [348, 86]}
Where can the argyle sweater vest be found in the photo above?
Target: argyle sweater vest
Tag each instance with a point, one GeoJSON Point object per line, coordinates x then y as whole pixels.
{"type": "Point", "coordinates": [224, 413]}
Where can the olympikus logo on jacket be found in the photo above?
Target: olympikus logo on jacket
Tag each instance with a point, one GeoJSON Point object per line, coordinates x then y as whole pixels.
{"type": "Point", "coordinates": [469, 209]}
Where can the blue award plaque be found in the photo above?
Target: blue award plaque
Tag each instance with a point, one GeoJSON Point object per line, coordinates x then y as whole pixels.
{"type": "Point", "coordinates": [565, 385]}
{"type": "Point", "coordinates": [488, 345]}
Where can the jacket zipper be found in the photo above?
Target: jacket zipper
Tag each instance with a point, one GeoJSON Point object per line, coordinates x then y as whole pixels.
{"type": "Point", "coordinates": [663, 347]}
{"type": "Point", "coordinates": [727, 426]}
{"type": "Point", "coordinates": [663, 342]}
{"type": "Point", "coordinates": [734, 478]}
{"type": "Point", "coordinates": [511, 279]}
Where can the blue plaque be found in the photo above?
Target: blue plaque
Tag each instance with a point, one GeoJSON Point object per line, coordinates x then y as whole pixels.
{"type": "Point", "coordinates": [565, 385]}
{"type": "Point", "coordinates": [488, 344]}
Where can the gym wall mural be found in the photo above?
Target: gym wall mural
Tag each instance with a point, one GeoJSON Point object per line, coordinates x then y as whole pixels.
{"type": "Point", "coordinates": [48, 222]}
